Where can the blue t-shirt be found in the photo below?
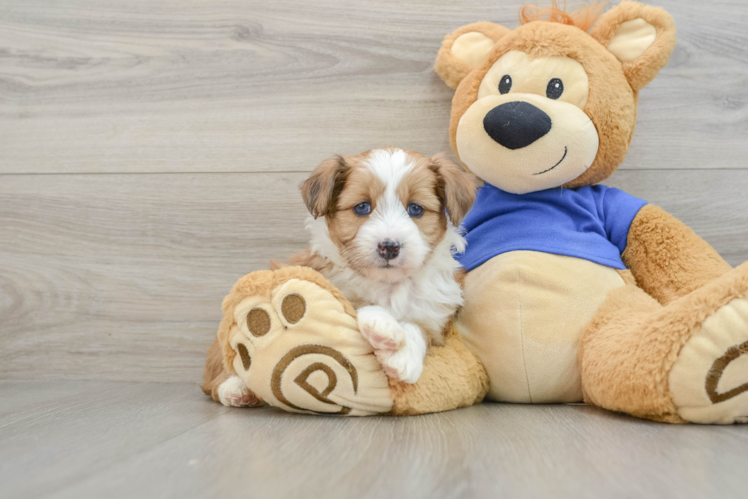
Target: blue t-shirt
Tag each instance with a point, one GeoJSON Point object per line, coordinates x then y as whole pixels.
{"type": "Point", "coordinates": [590, 222]}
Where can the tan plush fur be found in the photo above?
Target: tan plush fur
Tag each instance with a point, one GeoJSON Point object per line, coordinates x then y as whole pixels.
{"type": "Point", "coordinates": [583, 17]}
{"type": "Point", "coordinates": [642, 70]}
{"type": "Point", "coordinates": [611, 104]}
{"type": "Point", "coordinates": [632, 343]}
{"type": "Point", "coordinates": [220, 355]}
{"type": "Point", "coordinates": [452, 69]}
{"type": "Point", "coordinates": [675, 280]}
{"type": "Point", "coordinates": [667, 258]}
{"type": "Point", "coordinates": [262, 283]}
{"type": "Point", "coordinates": [614, 86]}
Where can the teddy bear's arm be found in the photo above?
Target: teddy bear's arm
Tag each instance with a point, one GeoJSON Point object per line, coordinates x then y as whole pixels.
{"type": "Point", "coordinates": [667, 258]}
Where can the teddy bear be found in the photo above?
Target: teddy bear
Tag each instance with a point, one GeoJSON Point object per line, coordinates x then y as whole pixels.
{"type": "Point", "coordinates": [574, 291]}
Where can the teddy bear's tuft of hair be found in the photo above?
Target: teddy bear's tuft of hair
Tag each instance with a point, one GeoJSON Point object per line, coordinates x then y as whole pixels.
{"type": "Point", "coordinates": [583, 17]}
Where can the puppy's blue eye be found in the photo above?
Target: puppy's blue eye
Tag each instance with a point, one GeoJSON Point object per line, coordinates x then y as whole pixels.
{"type": "Point", "coordinates": [362, 208]}
{"type": "Point", "coordinates": [415, 210]}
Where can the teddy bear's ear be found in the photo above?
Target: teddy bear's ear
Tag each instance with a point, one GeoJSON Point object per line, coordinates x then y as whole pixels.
{"type": "Point", "coordinates": [640, 36]}
{"type": "Point", "coordinates": [464, 49]}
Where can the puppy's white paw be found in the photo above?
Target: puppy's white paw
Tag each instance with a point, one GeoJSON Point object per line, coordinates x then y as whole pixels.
{"type": "Point", "coordinates": [401, 365]}
{"type": "Point", "coordinates": [406, 363]}
{"type": "Point", "coordinates": [380, 328]}
{"type": "Point", "coordinates": [233, 392]}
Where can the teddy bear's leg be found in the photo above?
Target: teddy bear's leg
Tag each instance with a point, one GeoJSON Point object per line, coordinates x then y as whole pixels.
{"type": "Point", "coordinates": [686, 361]}
{"type": "Point", "coordinates": [294, 341]}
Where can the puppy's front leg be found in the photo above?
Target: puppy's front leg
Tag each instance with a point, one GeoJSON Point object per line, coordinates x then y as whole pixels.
{"type": "Point", "coordinates": [380, 328]}
{"type": "Point", "coordinates": [405, 363]}
{"type": "Point", "coordinates": [400, 347]}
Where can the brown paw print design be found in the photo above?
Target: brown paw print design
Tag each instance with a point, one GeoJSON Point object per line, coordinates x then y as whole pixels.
{"type": "Point", "coordinates": [709, 380]}
{"type": "Point", "coordinates": [301, 351]}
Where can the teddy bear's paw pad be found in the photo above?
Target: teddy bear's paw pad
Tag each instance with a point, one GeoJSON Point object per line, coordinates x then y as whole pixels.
{"type": "Point", "coordinates": [709, 380]}
{"type": "Point", "coordinates": [301, 351]}
{"type": "Point", "coordinates": [234, 392]}
{"type": "Point", "coordinates": [380, 328]}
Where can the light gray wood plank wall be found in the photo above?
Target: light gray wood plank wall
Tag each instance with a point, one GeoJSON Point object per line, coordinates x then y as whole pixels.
{"type": "Point", "coordinates": [185, 85]}
{"type": "Point", "coordinates": [150, 153]}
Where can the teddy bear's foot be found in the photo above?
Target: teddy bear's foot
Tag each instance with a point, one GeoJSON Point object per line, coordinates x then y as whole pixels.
{"type": "Point", "coordinates": [709, 380]}
{"type": "Point", "coordinates": [234, 392]}
{"type": "Point", "coordinates": [296, 345]}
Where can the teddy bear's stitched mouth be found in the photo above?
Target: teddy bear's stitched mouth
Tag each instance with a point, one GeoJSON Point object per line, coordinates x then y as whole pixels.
{"type": "Point", "coordinates": [556, 165]}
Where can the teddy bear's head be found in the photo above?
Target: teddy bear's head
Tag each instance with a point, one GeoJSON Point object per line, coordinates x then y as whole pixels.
{"type": "Point", "coordinates": [550, 104]}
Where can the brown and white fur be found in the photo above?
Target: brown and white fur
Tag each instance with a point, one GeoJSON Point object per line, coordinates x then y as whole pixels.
{"type": "Point", "coordinates": [404, 300]}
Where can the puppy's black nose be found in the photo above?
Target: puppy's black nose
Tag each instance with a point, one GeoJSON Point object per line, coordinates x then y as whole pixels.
{"type": "Point", "coordinates": [388, 249]}
{"type": "Point", "coordinates": [516, 124]}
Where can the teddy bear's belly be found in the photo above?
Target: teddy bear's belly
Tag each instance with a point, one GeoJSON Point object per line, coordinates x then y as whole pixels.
{"type": "Point", "coordinates": [524, 315]}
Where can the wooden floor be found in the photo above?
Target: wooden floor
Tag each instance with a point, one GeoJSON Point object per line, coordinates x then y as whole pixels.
{"type": "Point", "coordinates": [129, 439]}
{"type": "Point", "coordinates": [150, 153]}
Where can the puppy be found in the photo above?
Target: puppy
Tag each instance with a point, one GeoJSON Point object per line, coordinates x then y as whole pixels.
{"type": "Point", "coordinates": [384, 229]}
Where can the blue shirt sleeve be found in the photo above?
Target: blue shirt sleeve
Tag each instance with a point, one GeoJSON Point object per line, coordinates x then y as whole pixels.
{"type": "Point", "coordinates": [619, 209]}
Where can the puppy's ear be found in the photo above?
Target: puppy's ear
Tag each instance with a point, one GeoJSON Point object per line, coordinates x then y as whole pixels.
{"type": "Point", "coordinates": [642, 37]}
{"type": "Point", "coordinates": [319, 190]}
{"type": "Point", "coordinates": [459, 188]}
{"type": "Point", "coordinates": [464, 49]}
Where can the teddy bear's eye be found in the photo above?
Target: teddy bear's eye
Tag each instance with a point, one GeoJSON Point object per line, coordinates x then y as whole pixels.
{"type": "Point", "coordinates": [555, 88]}
{"type": "Point", "coordinates": [505, 84]}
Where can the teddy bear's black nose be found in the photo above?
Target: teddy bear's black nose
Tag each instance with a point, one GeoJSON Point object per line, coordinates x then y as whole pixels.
{"type": "Point", "coordinates": [516, 124]}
